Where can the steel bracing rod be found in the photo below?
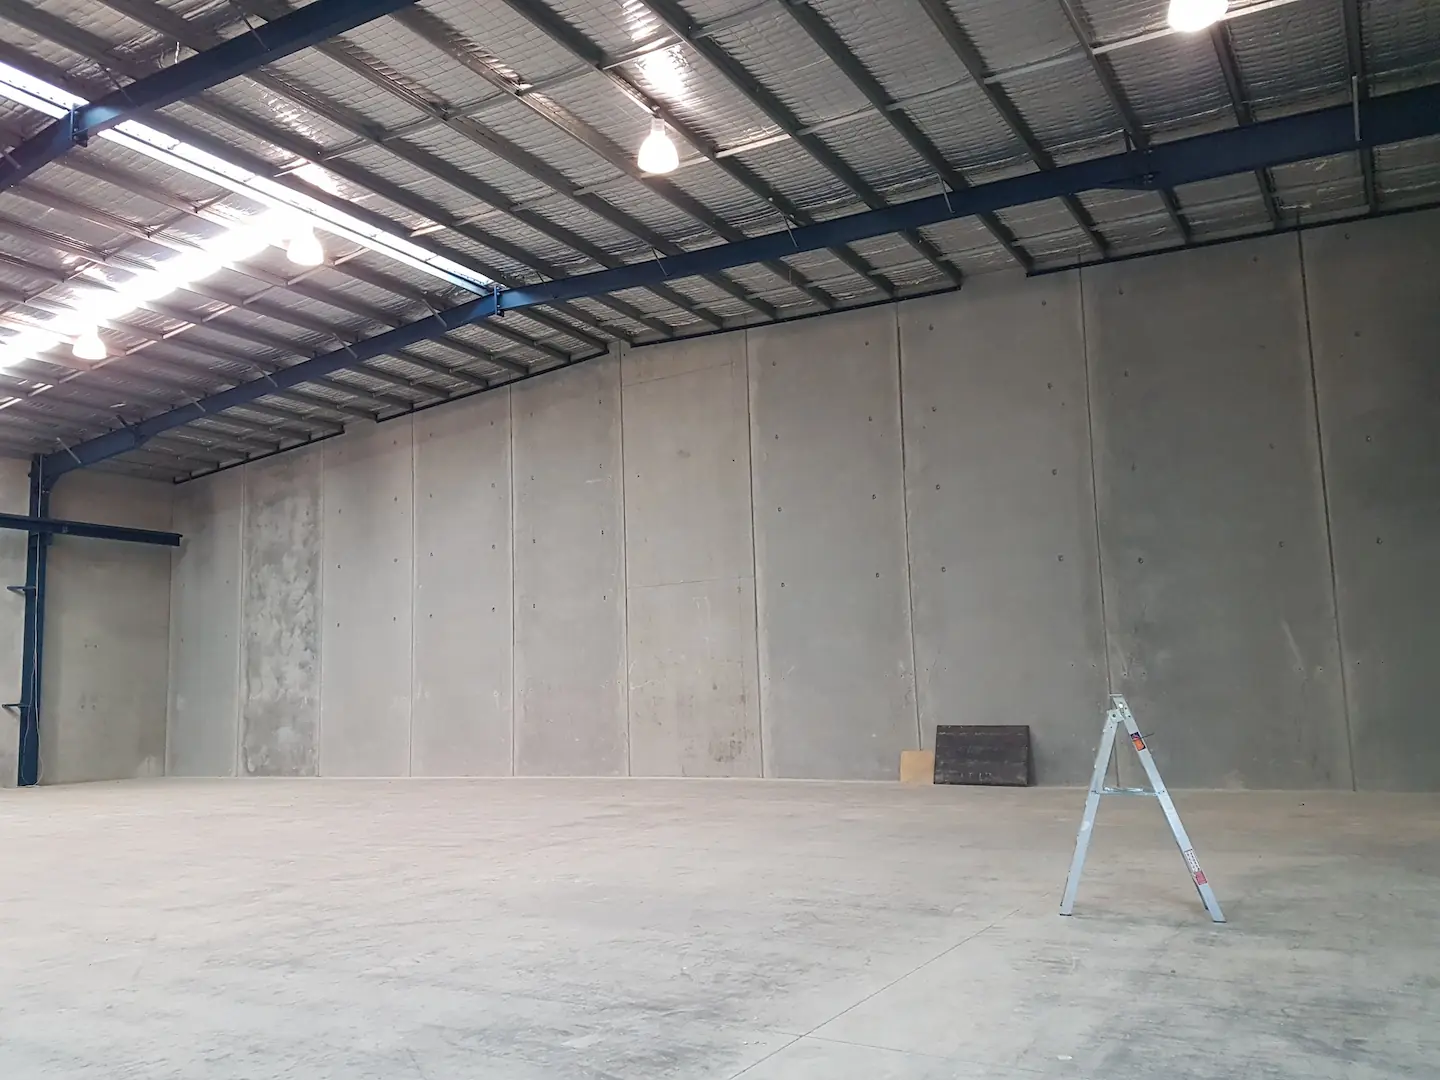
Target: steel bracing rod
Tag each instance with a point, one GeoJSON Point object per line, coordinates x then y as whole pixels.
{"type": "Point", "coordinates": [833, 45]}
{"type": "Point", "coordinates": [570, 37]}
{"type": "Point", "coordinates": [970, 58]}
{"type": "Point", "coordinates": [1360, 88]}
{"type": "Point", "coordinates": [78, 41]}
{"type": "Point", "coordinates": [1411, 114]}
{"type": "Point", "coordinates": [451, 42]}
{"type": "Point", "coordinates": [1134, 130]}
{"type": "Point", "coordinates": [777, 112]}
{"type": "Point", "coordinates": [243, 53]}
{"type": "Point", "coordinates": [154, 15]}
{"type": "Point", "coordinates": [1240, 102]}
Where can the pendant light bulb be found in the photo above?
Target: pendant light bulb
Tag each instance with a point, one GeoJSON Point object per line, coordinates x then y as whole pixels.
{"type": "Point", "coordinates": [657, 153]}
{"type": "Point", "coordinates": [1188, 16]}
{"type": "Point", "coordinates": [305, 248]}
{"type": "Point", "coordinates": [88, 346]}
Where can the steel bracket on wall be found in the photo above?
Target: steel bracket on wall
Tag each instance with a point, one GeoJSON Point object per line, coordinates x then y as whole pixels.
{"type": "Point", "coordinates": [41, 529]}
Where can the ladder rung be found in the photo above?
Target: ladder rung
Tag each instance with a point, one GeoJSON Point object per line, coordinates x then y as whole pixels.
{"type": "Point", "coordinates": [1126, 791]}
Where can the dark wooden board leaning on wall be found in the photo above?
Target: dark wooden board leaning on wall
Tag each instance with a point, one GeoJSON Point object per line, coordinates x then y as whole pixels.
{"type": "Point", "coordinates": [994, 755]}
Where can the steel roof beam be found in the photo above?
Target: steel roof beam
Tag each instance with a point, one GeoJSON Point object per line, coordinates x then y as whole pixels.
{"type": "Point", "coordinates": [301, 29]}
{"type": "Point", "coordinates": [1399, 117]}
{"type": "Point", "coordinates": [563, 33]}
{"type": "Point", "coordinates": [441, 36]}
{"type": "Point", "coordinates": [833, 45]}
{"type": "Point", "coordinates": [164, 388]}
{"type": "Point", "coordinates": [232, 302]}
{"type": "Point", "coordinates": [970, 58]}
{"type": "Point", "coordinates": [104, 387]}
{"type": "Point", "coordinates": [537, 169]}
{"type": "Point", "coordinates": [48, 26]}
{"type": "Point", "coordinates": [130, 383]}
{"type": "Point", "coordinates": [94, 418]}
{"type": "Point", "coordinates": [194, 319]}
{"type": "Point", "coordinates": [1360, 90]}
{"type": "Point", "coordinates": [299, 285]}
{"type": "Point", "coordinates": [1240, 102]}
{"type": "Point", "coordinates": [255, 303]}
{"type": "Point", "coordinates": [152, 14]}
{"type": "Point", "coordinates": [1135, 130]}
{"type": "Point", "coordinates": [768, 103]}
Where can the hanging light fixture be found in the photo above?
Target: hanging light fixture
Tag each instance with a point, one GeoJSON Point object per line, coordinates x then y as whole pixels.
{"type": "Point", "coordinates": [88, 346]}
{"type": "Point", "coordinates": [657, 153]}
{"type": "Point", "coordinates": [1187, 16]}
{"type": "Point", "coordinates": [305, 248]}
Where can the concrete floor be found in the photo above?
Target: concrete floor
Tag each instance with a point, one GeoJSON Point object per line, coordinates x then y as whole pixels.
{"type": "Point", "coordinates": [529, 929]}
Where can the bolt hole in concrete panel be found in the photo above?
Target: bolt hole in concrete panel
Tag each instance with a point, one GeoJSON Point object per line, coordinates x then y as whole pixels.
{"type": "Point", "coordinates": [838, 687]}
{"type": "Point", "coordinates": [691, 607]}
{"type": "Point", "coordinates": [281, 616]}
{"type": "Point", "coordinates": [1375, 320]}
{"type": "Point", "coordinates": [366, 665]}
{"type": "Point", "coordinates": [569, 642]}
{"type": "Point", "coordinates": [1012, 635]}
{"type": "Point", "coordinates": [462, 667]}
{"type": "Point", "coordinates": [1215, 346]}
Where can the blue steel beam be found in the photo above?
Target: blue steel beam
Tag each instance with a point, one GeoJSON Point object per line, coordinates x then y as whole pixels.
{"type": "Point", "coordinates": [1393, 118]}
{"type": "Point", "coordinates": [310, 25]}
{"type": "Point", "coordinates": [61, 527]}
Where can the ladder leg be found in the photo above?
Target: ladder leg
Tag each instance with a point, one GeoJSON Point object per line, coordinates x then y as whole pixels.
{"type": "Point", "coordinates": [1177, 828]}
{"type": "Point", "coordinates": [1092, 804]}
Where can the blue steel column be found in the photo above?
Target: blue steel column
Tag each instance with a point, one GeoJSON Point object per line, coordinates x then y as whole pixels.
{"type": "Point", "coordinates": [37, 554]}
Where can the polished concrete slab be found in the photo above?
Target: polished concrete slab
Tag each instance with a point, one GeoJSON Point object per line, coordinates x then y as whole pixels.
{"type": "Point", "coordinates": [597, 929]}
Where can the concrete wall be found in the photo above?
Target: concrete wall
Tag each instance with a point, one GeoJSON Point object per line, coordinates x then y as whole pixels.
{"type": "Point", "coordinates": [794, 551]}
{"type": "Point", "coordinates": [107, 635]}
{"type": "Point", "coordinates": [1003, 559]}
{"type": "Point", "coordinates": [1219, 612]}
{"type": "Point", "coordinates": [1375, 322]}
{"type": "Point", "coordinates": [107, 632]}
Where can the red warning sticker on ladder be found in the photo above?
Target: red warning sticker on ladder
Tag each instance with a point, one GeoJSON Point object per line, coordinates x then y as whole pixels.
{"type": "Point", "coordinates": [1138, 740]}
{"type": "Point", "coordinates": [1193, 862]}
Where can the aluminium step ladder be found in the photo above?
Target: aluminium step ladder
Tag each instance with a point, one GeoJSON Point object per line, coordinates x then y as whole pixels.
{"type": "Point", "coordinates": [1119, 715]}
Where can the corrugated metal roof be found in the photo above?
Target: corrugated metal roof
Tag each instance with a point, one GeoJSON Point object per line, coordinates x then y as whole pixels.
{"type": "Point", "coordinates": [434, 151]}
